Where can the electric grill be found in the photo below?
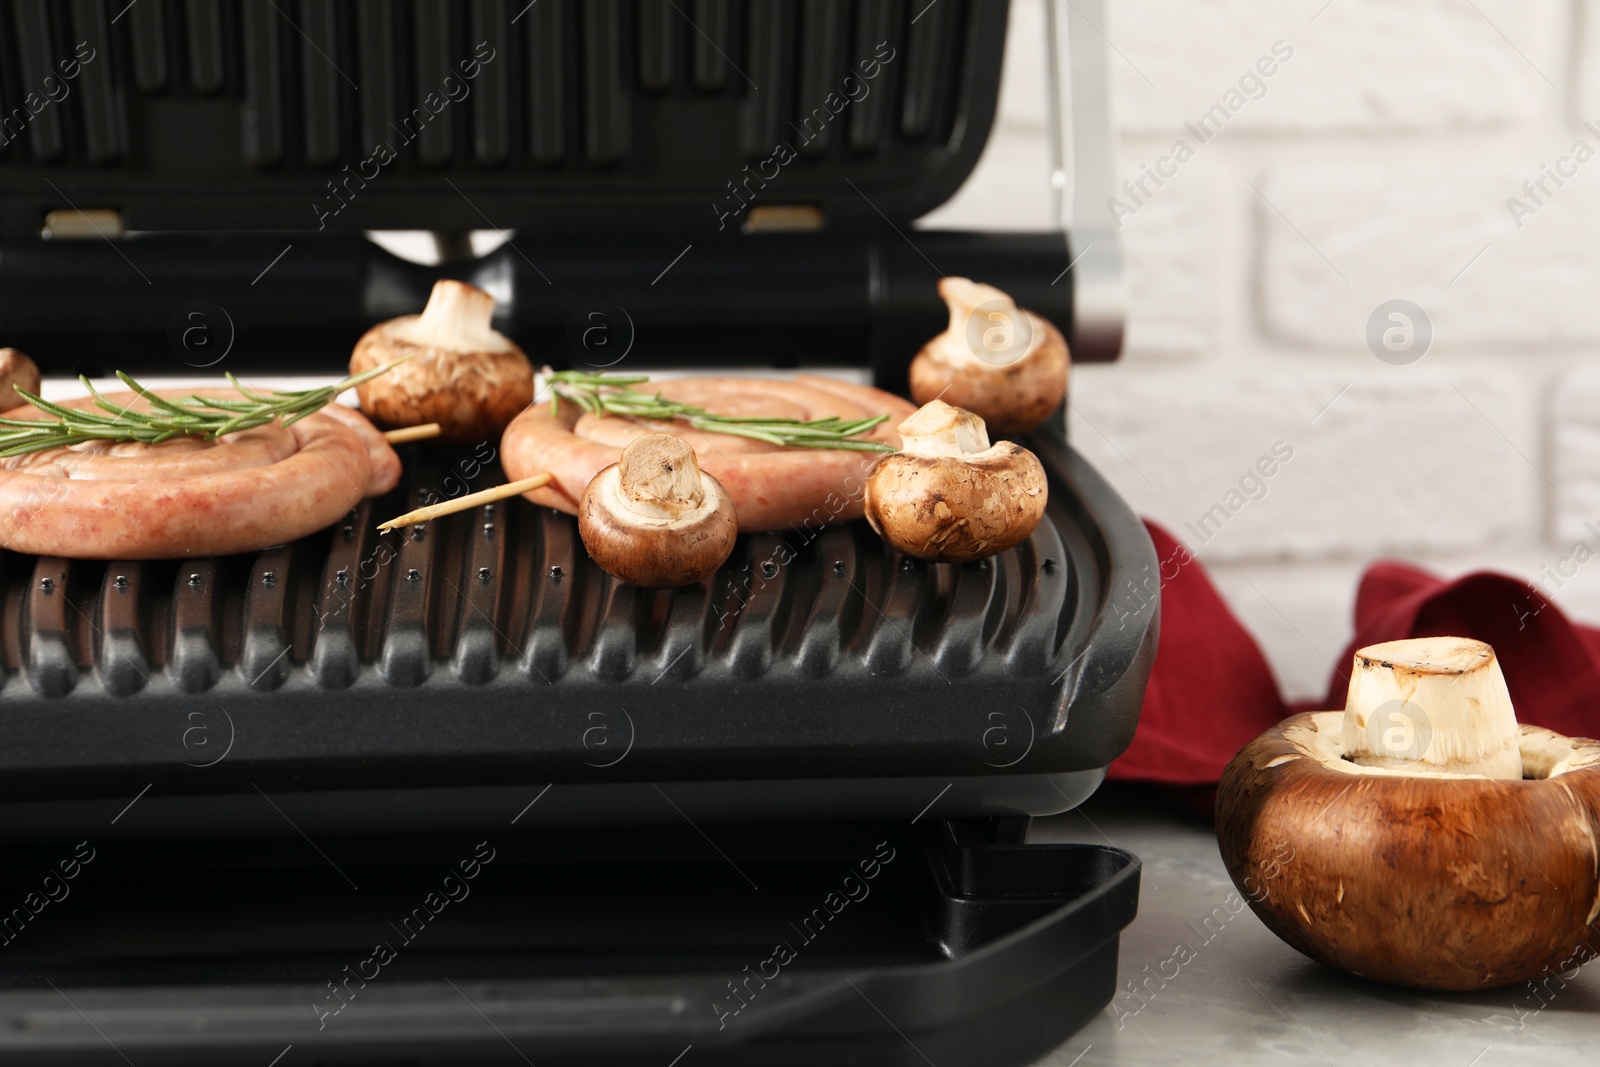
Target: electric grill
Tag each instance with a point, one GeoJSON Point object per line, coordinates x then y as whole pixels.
{"type": "Point", "coordinates": [670, 781]}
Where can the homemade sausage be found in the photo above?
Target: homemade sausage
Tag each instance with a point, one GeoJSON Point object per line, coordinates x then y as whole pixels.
{"type": "Point", "coordinates": [190, 496]}
{"type": "Point", "coordinates": [771, 487]}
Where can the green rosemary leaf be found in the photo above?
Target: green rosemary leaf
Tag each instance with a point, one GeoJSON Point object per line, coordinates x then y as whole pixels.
{"type": "Point", "coordinates": [710, 426]}
{"type": "Point", "coordinates": [217, 403]}
{"type": "Point", "coordinates": [848, 446]}
{"type": "Point", "coordinates": [57, 410]}
{"type": "Point", "coordinates": [611, 394]}
{"type": "Point", "coordinates": [160, 403]}
{"type": "Point", "coordinates": [239, 388]}
{"type": "Point", "coordinates": [120, 413]}
{"type": "Point", "coordinates": [39, 446]}
{"type": "Point", "coordinates": [190, 416]}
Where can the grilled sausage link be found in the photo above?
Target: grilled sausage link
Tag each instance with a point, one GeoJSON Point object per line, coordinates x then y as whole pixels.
{"type": "Point", "coordinates": [190, 496]}
{"type": "Point", "coordinates": [772, 488]}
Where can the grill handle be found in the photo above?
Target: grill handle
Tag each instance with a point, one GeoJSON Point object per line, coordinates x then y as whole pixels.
{"type": "Point", "coordinates": [261, 303]}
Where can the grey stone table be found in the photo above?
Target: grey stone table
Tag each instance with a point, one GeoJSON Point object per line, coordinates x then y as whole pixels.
{"type": "Point", "coordinates": [1216, 987]}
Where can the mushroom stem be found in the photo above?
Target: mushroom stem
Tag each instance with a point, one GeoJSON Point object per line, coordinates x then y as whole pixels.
{"type": "Point", "coordinates": [659, 477]}
{"type": "Point", "coordinates": [1433, 705]}
{"type": "Point", "coordinates": [938, 429]}
{"type": "Point", "coordinates": [996, 332]}
{"type": "Point", "coordinates": [455, 311]}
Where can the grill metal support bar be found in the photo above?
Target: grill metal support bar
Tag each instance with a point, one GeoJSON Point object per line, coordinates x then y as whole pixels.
{"type": "Point", "coordinates": [1078, 85]}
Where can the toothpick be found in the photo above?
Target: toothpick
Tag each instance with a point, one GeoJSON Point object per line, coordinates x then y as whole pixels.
{"type": "Point", "coordinates": [470, 501]}
{"type": "Point", "coordinates": [413, 433]}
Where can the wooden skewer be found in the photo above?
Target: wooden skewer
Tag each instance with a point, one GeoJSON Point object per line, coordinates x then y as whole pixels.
{"type": "Point", "coordinates": [412, 433]}
{"type": "Point", "coordinates": [471, 500]}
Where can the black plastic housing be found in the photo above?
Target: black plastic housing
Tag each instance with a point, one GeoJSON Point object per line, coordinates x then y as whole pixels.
{"type": "Point", "coordinates": [669, 782]}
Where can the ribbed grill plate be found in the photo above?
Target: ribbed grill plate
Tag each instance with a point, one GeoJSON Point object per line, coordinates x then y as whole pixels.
{"type": "Point", "coordinates": [487, 649]}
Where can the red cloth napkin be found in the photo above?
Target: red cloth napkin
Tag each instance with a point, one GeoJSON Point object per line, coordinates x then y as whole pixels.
{"type": "Point", "coordinates": [1211, 691]}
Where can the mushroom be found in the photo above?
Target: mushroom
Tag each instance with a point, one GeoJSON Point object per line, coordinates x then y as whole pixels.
{"type": "Point", "coordinates": [17, 371]}
{"type": "Point", "coordinates": [949, 495]}
{"type": "Point", "coordinates": [1006, 365]}
{"type": "Point", "coordinates": [1419, 837]}
{"type": "Point", "coordinates": [463, 374]}
{"type": "Point", "coordinates": [654, 518]}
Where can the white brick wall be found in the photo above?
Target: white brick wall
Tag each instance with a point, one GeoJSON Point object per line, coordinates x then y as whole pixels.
{"type": "Point", "coordinates": [1402, 462]}
{"type": "Point", "coordinates": [1442, 237]}
{"type": "Point", "coordinates": [1376, 164]}
{"type": "Point", "coordinates": [1574, 403]}
{"type": "Point", "coordinates": [1362, 65]}
{"type": "Point", "coordinates": [1174, 295]}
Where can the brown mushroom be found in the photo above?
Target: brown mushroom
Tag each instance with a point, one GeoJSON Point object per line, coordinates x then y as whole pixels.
{"type": "Point", "coordinates": [16, 371]}
{"type": "Point", "coordinates": [949, 495]}
{"type": "Point", "coordinates": [655, 519]}
{"type": "Point", "coordinates": [463, 374]}
{"type": "Point", "coordinates": [1419, 837]}
{"type": "Point", "coordinates": [1006, 365]}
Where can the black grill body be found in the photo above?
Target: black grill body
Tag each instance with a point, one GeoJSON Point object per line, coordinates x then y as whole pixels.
{"type": "Point", "coordinates": [223, 782]}
{"type": "Point", "coordinates": [460, 662]}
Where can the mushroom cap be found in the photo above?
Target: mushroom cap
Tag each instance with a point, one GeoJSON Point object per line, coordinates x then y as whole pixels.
{"type": "Point", "coordinates": [464, 375]}
{"type": "Point", "coordinates": [1437, 881]}
{"type": "Point", "coordinates": [654, 519]}
{"type": "Point", "coordinates": [1003, 363]}
{"type": "Point", "coordinates": [950, 496]}
{"type": "Point", "coordinates": [16, 369]}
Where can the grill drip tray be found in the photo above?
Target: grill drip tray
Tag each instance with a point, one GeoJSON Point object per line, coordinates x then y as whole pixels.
{"type": "Point", "coordinates": [800, 944]}
{"type": "Point", "coordinates": [450, 667]}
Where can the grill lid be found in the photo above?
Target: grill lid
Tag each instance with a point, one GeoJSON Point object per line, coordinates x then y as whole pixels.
{"type": "Point", "coordinates": [628, 117]}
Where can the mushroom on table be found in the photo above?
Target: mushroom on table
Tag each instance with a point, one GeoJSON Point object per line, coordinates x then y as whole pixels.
{"type": "Point", "coordinates": [1420, 836]}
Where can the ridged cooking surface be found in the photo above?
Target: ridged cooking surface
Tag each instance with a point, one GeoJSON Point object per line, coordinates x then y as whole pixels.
{"type": "Point", "coordinates": [485, 651]}
{"type": "Point", "coordinates": [506, 589]}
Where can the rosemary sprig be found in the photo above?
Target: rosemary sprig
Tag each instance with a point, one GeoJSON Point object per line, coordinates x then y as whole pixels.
{"type": "Point", "coordinates": [612, 394]}
{"type": "Point", "coordinates": [189, 416]}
